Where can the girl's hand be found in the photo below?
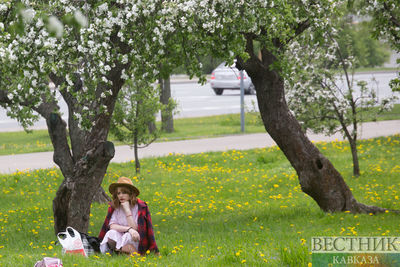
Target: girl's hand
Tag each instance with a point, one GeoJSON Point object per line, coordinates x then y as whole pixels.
{"type": "Point", "coordinates": [134, 234]}
{"type": "Point", "coordinates": [126, 206]}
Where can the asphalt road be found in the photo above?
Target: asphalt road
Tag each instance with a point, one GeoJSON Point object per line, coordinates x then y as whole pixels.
{"type": "Point", "coordinates": [12, 163]}
{"type": "Point", "coordinates": [195, 100]}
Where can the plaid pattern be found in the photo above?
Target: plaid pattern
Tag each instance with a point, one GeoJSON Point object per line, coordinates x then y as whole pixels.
{"type": "Point", "coordinates": [86, 246]}
{"type": "Point", "coordinates": [145, 228]}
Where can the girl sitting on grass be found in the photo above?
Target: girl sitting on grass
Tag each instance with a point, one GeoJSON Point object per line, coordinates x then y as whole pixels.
{"type": "Point", "coordinates": [127, 227]}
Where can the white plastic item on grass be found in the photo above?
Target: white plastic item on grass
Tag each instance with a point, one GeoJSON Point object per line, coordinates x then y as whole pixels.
{"type": "Point", "coordinates": [71, 241]}
{"type": "Point", "coordinates": [49, 262]}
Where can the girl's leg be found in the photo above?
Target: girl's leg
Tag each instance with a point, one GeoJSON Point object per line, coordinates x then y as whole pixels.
{"type": "Point", "coordinates": [111, 244]}
{"type": "Point", "coordinates": [128, 249]}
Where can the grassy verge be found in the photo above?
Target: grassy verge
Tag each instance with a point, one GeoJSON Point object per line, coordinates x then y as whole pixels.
{"type": "Point", "coordinates": [393, 114]}
{"type": "Point", "coordinates": [212, 209]}
{"type": "Point", "coordinates": [377, 69]}
{"type": "Point", "coordinates": [212, 126]}
{"type": "Point", "coordinates": [187, 128]}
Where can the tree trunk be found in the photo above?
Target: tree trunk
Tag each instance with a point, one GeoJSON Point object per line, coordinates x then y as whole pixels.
{"type": "Point", "coordinates": [317, 176]}
{"type": "Point", "coordinates": [152, 127]}
{"type": "Point", "coordinates": [167, 121]}
{"type": "Point", "coordinates": [101, 196]}
{"type": "Point", "coordinates": [135, 150]}
{"type": "Point", "coordinates": [71, 206]}
{"type": "Point", "coordinates": [354, 154]}
{"type": "Point", "coordinates": [84, 167]}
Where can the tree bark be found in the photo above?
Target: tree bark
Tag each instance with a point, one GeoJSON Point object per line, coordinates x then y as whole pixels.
{"type": "Point", "coordinates": [85, 163]}
{"type": "Point", "coordinates": [356, 166]}
{"type": "Point", "coordinates": [352, 137]}
{"type": "Point", "coordinates": [71, 206]}
{"type": "Point", "coordinates": [135, 151]}
{"type": "Point", "coordinates": [167, 120]}
{"type": "Point", "coordinates": [101, 196]}
{"type": "Point", "coordinates": [317, 176]}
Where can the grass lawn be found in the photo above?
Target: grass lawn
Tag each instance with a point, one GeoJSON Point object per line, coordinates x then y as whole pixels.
{"type": "Point", "coordinates": [212, 209]}
{"type": "Point", "coordinates": [186, 128]}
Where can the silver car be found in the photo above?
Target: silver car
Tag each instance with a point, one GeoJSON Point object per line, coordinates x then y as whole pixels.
{"type": "Point", "coordinates": [228, 78]}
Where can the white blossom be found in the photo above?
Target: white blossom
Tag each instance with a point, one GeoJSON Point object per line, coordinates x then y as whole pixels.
{"type": "Point", "coordinates": [123, 75]}
{"type": "Point", "coordinates": [39, 23]}
{"type": "Point", "coordinates": [3, 7]}
{"type": "Point", "coordinates": [102, 8]}
{"type": "Point", "coordinates": [55, 26]}
{"type": "Point", "coordinates": [124, 59]}
{"type": "Point", "coordinates": [80, 18]}
{"type": "Point", "coordinates": [69, 81]}
{"type": "Point", "coordinates": [28, 14]}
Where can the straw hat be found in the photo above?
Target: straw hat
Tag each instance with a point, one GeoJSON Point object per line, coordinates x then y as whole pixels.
{"type": "Point", "coordinates": [123, 181]}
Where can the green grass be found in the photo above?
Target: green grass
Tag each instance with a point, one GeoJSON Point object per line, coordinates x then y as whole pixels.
{"type": "Point", "coordinates": [393, 114]}
{"type": "Point", "coordinates": [212, 209]}
{"type": "Point", "coordinates": [186, 128]}
{"type": "Point", "coordinates": [22, 142]}
{"type": "Point", "coordinates": [203, 127]}
{"type": "Point", "coordinates": [376, 69]}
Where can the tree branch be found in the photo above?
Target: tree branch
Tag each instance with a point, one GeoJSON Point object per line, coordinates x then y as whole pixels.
{"type": "Point", "coordinates": [56, 128]}
{"type": "Point", "coordinates": [75, 133]}
{"type": "Point", "coordinates": [393, 18]}
{"type": "Point", "coordinates": [300, 28]}
{"type": "Point", "coordinates": [4, 98]}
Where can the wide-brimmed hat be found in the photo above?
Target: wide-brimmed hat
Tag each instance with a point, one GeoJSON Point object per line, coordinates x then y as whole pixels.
{"type": "Point", "coordinates": [123, 181]}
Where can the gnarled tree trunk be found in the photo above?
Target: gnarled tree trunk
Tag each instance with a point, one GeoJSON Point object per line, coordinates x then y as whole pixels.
{"type": "Point", "coordinates": [317, 176]}
{"type": "Point", "coordinates": [84, 164]}
{"type": "Point", "coordinates": [71, 206]}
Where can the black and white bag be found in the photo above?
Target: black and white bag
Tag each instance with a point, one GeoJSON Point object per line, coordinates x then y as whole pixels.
{"type": "Point", "coordinates": [75, 242]}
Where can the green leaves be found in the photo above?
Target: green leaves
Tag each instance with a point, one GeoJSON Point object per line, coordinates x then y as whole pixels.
{"type": "Point", "coordinates": [395, 85]}
{"type": "Point", "coordinates": [137, 106]}
{"type": "Point", "coordinates": [321, 88]}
